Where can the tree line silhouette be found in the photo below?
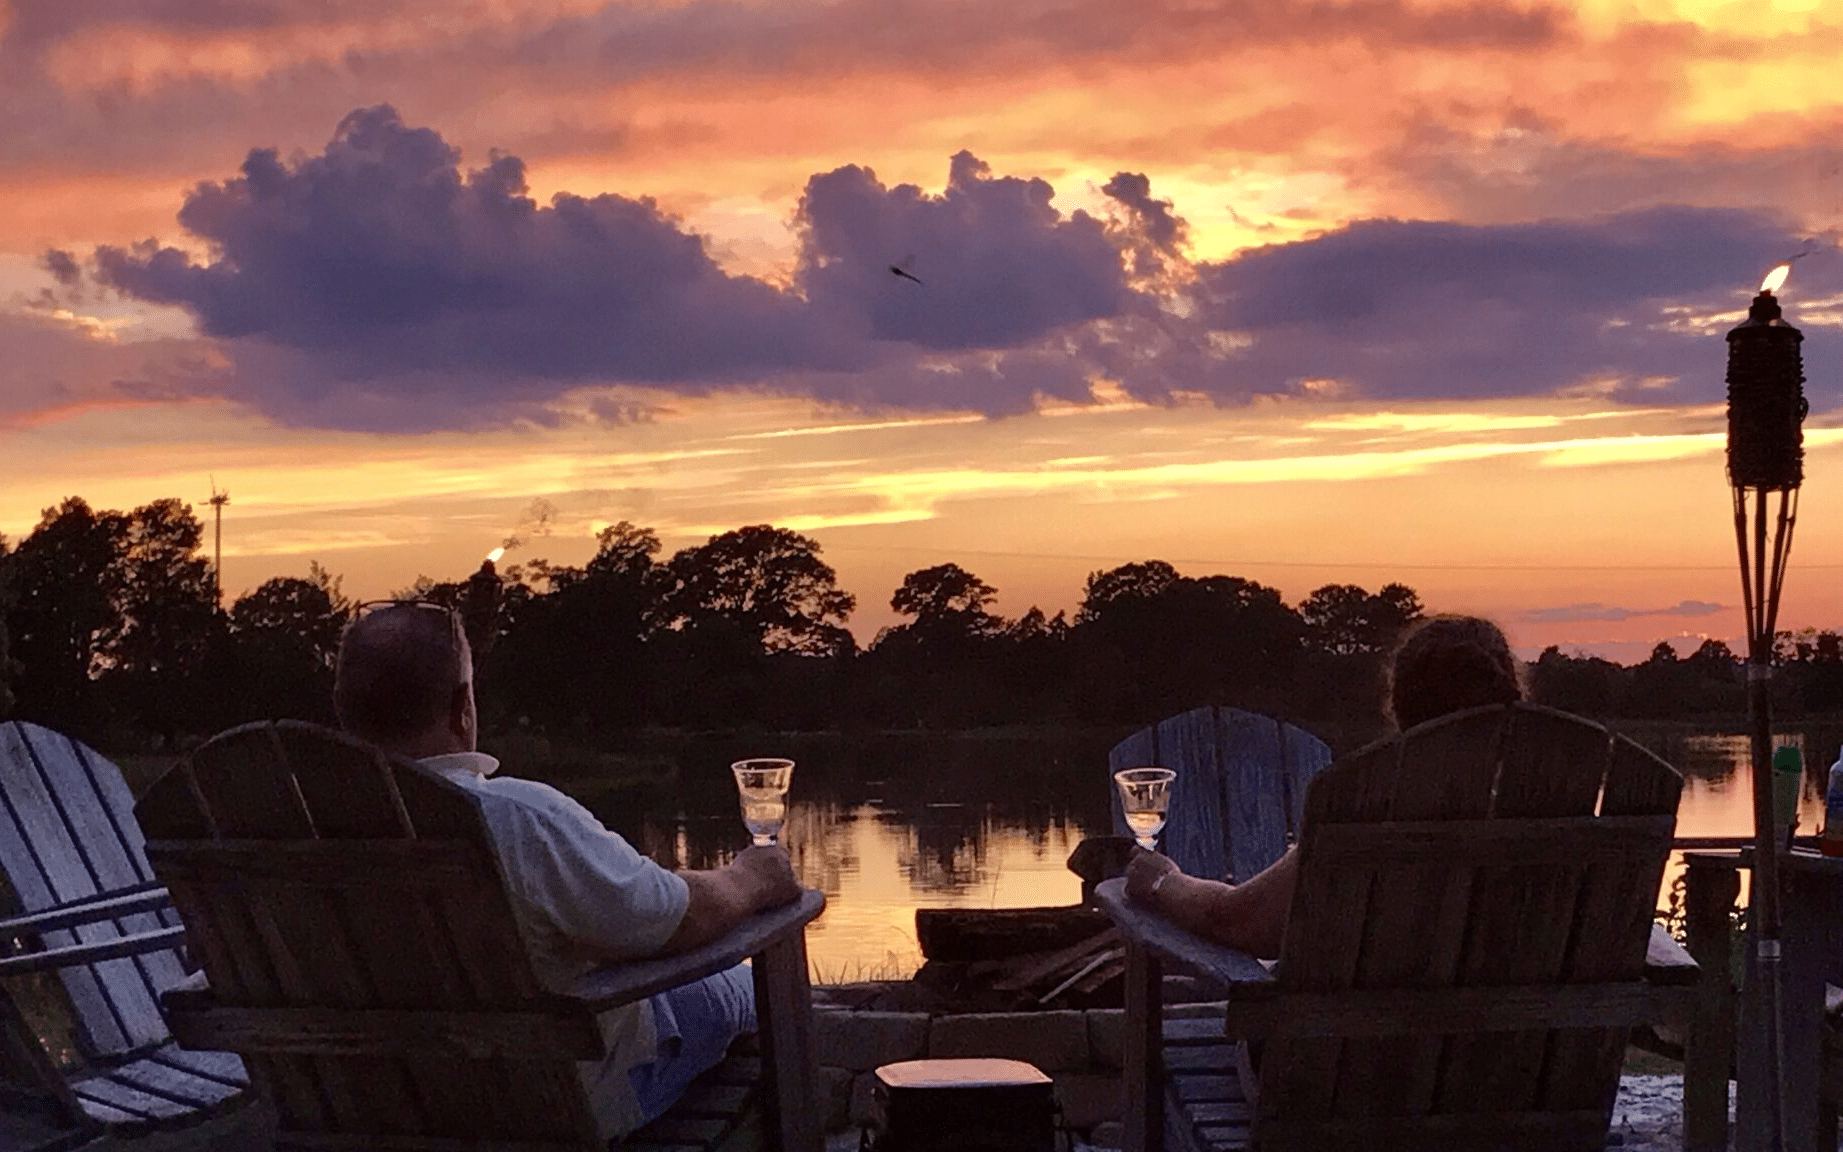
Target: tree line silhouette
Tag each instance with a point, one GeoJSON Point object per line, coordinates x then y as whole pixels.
{"type": "Point", "coordinates": [110, 630]}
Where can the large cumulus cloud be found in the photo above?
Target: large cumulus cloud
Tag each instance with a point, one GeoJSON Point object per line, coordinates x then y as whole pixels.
{"type": "Point", "coordinates": [1391, 309]}
{"type": "Point", "coordinates": [1003, 265]}
{"type": "Point", "coordinates": [379, 284]}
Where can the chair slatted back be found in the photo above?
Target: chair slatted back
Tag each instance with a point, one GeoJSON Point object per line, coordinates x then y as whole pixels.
{"type": "Point", "coordinates": [1240, 788]}
{"type": "Point", "coordinates": [1511, 847]}
{"type": "Point", "coordinates": [67, 832]}
{"type": "Point", "coordinates": [315, 874]}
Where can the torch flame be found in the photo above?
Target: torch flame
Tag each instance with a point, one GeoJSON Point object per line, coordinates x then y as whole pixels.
{"type": "Point", "coordinates": [1775, 279]}
{"type": "Point", "coordinates": [493, 556]}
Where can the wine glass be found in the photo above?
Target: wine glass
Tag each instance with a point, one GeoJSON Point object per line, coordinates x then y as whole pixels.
{"type": "Point", "coordinates": [1144, 795]}
{"type": "Point", "coordinates": [762, 786]}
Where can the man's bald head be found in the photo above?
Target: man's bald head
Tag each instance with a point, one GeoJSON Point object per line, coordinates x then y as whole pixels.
{"type": "Point", "coordinates": [403, 671]}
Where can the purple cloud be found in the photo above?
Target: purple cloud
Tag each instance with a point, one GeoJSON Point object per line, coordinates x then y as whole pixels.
{"type": "Point", "coordinates": [998, 265]}
{"type": "Point", "coordinates": [1579, 613]}
{"type": "Point", "coordinates": [1410, 309]}
{"type": "Point", "coordinates": [380, 258]}
{"type": "Point", "coordinates": [377, 285]}
{"type": "Point", "coordinates": [380, 285]}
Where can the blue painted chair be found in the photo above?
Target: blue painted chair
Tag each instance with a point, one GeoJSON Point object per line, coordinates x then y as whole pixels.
{"type": "Point", "coordinates": [86, 906]}
{"type": "Point", "coordinates": [1240, 787]}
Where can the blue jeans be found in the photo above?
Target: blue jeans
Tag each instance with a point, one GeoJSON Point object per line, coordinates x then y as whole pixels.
{"type": "Point", "coordinates": [695, 1024]}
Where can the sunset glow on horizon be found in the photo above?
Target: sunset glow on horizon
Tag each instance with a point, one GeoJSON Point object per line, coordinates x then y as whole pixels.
{"type": "Point", "coordinates": [1419, 290]}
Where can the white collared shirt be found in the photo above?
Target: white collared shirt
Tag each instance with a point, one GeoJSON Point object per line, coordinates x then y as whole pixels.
{"type": "Point", "coordinates": [582, 896]}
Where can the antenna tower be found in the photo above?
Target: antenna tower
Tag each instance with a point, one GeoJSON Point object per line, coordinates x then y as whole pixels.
{"type": "Point", "coordinates": [218, 500]}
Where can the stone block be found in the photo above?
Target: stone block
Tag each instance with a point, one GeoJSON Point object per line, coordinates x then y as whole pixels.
{"type": "Point", "coordinates": [835, 1097]}
{"type": "Point", "coordinates": [862, 1041]}
{"type": "Point", "coordinates": [1053, 1041]}
{"type": "Point", "coordinates": [1089, 1098]}
{"type": "Point", "coordinates": [1107, 1037]}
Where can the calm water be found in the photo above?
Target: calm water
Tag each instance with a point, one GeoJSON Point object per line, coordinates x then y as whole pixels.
{"type": "Point", "coordinates": [886, 825]}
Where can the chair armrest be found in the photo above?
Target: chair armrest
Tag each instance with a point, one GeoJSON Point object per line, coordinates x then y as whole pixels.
{"type": "Point", "coordinates": [133, 945]}
{"type": "Point", "coordinates": [87, 910]}
{"type": "Point", "coordinates": [1217, 963]}
{"type": "Point", "coordinates": [1667, 962]}
{"type": "Point", "coordinates": [634, 980]}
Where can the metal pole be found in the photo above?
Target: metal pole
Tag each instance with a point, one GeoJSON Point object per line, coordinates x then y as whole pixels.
{"type": "Point", "coordinates": [1763, 904]}
{"type": "Point", "coordinates": [217, 552]}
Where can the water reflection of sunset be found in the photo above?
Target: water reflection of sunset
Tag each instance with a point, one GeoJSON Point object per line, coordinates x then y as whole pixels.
{"type": "Point", "coordinates": [878, 866]}
{"type": "Point", "coordinates": [882, 838]}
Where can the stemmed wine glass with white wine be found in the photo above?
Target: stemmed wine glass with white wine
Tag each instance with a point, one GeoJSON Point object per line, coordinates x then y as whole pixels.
{"type": "Point", "coordinates": [762, 787]}
{"type": "Point", "coordinates": [1145, 793]}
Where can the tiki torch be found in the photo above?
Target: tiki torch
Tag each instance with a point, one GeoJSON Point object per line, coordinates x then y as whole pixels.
{"type": "Point", "coordinates": [1766, 456]}
{"type": "Point", "coordinates": [480, 606]}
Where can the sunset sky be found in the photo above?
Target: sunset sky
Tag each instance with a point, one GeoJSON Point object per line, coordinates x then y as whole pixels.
{"type": "Point", "coordinates": [1299, 290]}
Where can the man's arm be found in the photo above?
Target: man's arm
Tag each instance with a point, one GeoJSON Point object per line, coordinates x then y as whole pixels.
{"type": "Point", "coordinates": [1249, 916]}
{"type": "Point", "coordinates": [721, 898]}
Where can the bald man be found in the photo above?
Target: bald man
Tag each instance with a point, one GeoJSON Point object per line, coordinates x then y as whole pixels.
{"type": "Point", "coordinates": [581, 894]}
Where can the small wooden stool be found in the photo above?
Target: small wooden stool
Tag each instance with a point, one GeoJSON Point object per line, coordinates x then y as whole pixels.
{"type": "Point", "coordinates": [981, 1105]}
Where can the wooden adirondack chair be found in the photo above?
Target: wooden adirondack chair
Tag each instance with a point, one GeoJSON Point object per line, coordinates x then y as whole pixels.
{"type": "Point", "coordinates": [1240, 787]}
{"type": "Point", "coordinates": [361, 953]}
{"type": "Point", "coordinates": [1466, 952]}
{"type": "Point", "coordinates": [91, 910]}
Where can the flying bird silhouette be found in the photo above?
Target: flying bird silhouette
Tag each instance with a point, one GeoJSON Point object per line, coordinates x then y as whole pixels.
{"type": "Point", "coordinates": [905, 275]}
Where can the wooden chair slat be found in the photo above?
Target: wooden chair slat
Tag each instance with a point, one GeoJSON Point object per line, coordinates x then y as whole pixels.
{"type": "Point", "coordinates": [45, 867]}
{"type": "Point", "coordinates": [224, 1067]}
{"type": "Point", "coordinates": [347, 794]}
{"type": "Point", "coordinates": [98, 811]}
{"type": "Point", "coordinates": [1203, 1089]}
{"type": "Point", "coordinates": [120, 1119]}
{"type": "Point", "coordinates": [1306, 756]}
{"type": "Point", "coordinates": [1417, 914]}
{"type": "Point", "coordinates": [249, 788]}
{"type": "Point", "coordinates": [1240, 787]}
{"type": "Point", "coordinates": [1302, 1076]}
{"type": "Point", "coordinates": [1431, 993]}
{"type": "Point", "coordinates": [1551, 842]}
{"type": "Point", "coordinates": [1197, 829]}
{"type": "Point", "coordinates": [194, 1092]}
{"type": "Point", "coordinates": [230, 948]}
{"type": "Point", "coordinates": [784, 1011]}
{"type": "Point", "coordinates": [398, 1015]}
{"type": "Point", "coordinates": [68, 835]}
{"type": "Point", "coordinates": [1550, 767]}
{"type": "Point", "coordinates": [322, 1031]}
{"type": "Point", "coordinates": [1615, 911]}
{"type": "Point", "coordinates": [150, 1106]}
{"type": "Point", "coordinates": [1250, 758]}
{"type": "Point", "coordinates": [384, 864]}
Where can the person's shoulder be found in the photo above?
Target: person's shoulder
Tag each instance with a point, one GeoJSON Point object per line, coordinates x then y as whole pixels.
{"type": "Point", "coordinates": [518, 790]}
{"type": "Point", "coordinates": [533, 796]}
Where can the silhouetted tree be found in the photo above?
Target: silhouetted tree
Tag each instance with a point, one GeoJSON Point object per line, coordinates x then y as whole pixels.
{"type": "Point", "coordinates": [947, 599]}
{"type": "Point", "coordinates": [1346, 620]}
{"type": "Point", "coordinates": [1588, 685]}
{"type": "Point", "coordinates": [167, 619]}
{"type": "Point", "coordinates": [67, 586]}
{"type": "Point", "coordinates": [1151, 642]}
{"type": "Point", "coordinates": [1132, 582]}
{"type": "Point", "coordinates": [767, 581]}
{"type": "Point", "coordinates": [576, 653]}
{"type": "Point", "coordinates": [941, 668]}
{"type": "Point", "coordinates": [284, 641]}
